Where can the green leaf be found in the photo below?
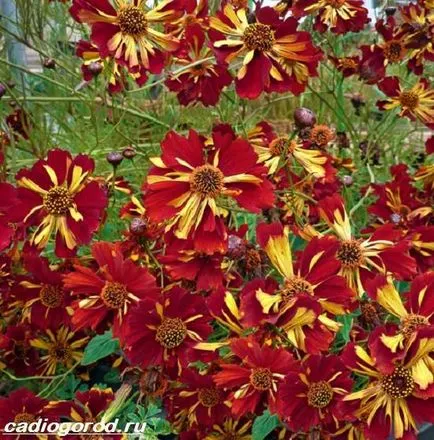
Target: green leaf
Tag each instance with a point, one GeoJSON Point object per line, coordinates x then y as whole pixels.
{"type": "Point", "coordinates": [99, 347]}
{"type": "Point", "coordinates": [263, 425]}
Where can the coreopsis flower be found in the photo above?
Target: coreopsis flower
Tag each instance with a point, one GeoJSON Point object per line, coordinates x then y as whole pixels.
{"type": "Point", "coordinates": [16, 353]}
{"type": "Point", "coordinates": [169, 328]}
{"type": "Point", "coordinates": [45, 301]}
{"type": "Point", "coordinates": [321, 135]}
{"type": "Point", "coordinates": [361, 259]}
{"type": "Point", "coordinates": [346, 65]}
{"type": "Point", "coordinates": [8, 201]}
{"type": "Point", "coordinates": [94, 64]}
{"type": "Point", "coordinates": [187, 187]}
{"type": "Point", "coordinates": [416, 103]}
{"type": "Point", "coordinates": [236, 429]}
{"type": "Point", "coordinates": [57, 196]}
{"type": "Point", "coordinates": [127, 30]}
{"type": "Point", "coordinates": [315, 274]}
{"type": "Point", "coordinates": [61, 347]}
{"type": "Point", "coordinates": [106, 294]}
{"type": "Point", "coordinates": [312, 396]}
{"type": "Point", "coordinates": [22, 406]}
{"type": "Point", "coordinates": [202, 82]}
{"type": "Point", "coordinates": [181, 261]}
{"type": "Point", "coordinates": [340, 16]}
{"type": "Point", "coordinates": [195, 14]}
{"type": "Point", "coordinates": [276, 57]}
{"type": "Point", "coordinates": [393, 402]}
{"type": "Point", "coordinates": [415, 313]}
{"type": "Point", "coordinates": [254, 376]}
{"type": "Point", "coordinates": [198, 402]}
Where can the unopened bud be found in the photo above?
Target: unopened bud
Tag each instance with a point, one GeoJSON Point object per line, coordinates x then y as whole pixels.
{"type": "Point", "coordinates": [304, 117]}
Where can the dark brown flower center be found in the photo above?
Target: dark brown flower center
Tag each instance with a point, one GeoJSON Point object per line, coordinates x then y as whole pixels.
{"type": "Point", "coordinates": [209, 397]}
{"type": "Point", "coordinates": [132, 21]}
{"type": "Point", "coordinates": [207, 181]}
{"type": "Point", "coordinates": [61, 353]}
{"type": "Point", "coordinates": [398, 384]}
{"type": "Point", "coordinates": [279, 146]}
{"type": "Point", "coordinates": [412, 323]}
{"type": "Point", "coordinates": [259, 36]}
{"type": "Point", "coordinates": [393, 51]}
{"type": "Point", "coordinates": [51, 296]}
{"type": "Point", "coordinates": [114, 295]}
{"type": "Point", "coordinates": [261, 379]}
{"type": "Point", "coordinates": [57, 201]}
{"type": "Point", "coordinates": [296, 286]}
{"type": "Point", "coordinates": [252, 259]}
{"type": "Point", "coordinates": [320, 394]}
{"type": "Point", "coordinates": [350, 254]}
{"type": "Point", "coordinates": [171, 333]}
{"type": "Point", "coordinates": [409, 99]}
{"type": "Point", "coordinates": [24, 418]}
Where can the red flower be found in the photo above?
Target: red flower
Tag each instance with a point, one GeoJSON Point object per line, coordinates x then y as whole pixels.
{"type": "Point", "coordinates": [276, 57]}
{"type": "Point", "coordinates": [340, 16]}
{"type": "Point", "coordinates": [57, 196]}
{"type": "Point", "coordinates": [312, 396]}
{"type": "Point", "coordinates": [198, 402]}
{"type": "Point", "coordinates": [181, 261]}
{"type": "Point", "coordinates": [169, 328]}
{"type": "Point", "coordinates": [415, 103]}
{"type": "Point", "coordinates": [202, 82]}
{"type": "Point", "coordinates": [45, 300]}
{"type": "Point", "coordinates": [254, 376]}
{"type": "Point", "coordinates": [107, 294]}
{"type": "Point", "coordinates": [8, 200]}
{"type": "Point", "coordinates": [347, 65]}
{"type": "Point", "coordinates": [22, 406]}
{"type": "Point", "coordinates": [128, 31]}
{"type": "Point", "coordinates": [186, 186]}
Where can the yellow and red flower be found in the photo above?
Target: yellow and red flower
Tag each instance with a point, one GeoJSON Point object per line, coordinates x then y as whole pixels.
{"type": "Point", "coordinates": [107, 294]}
{"type": "Point", "coordinates": [254, 376]}
{"type": "Point", "coordinates": [186, 186]}
{"type": "Point", "coordinates": [313, 395]}
{"type": "Point", "coordinates": [197, 403]}
{"type": "Point", "coordinates": [61, 347]}
{"type": "Point", "coordinates": [127, 30]}
{"type": "Point", "coordinates": [276, 57]}
{"type": "Point", "coordinates": [45, 300]}
{"type": "Point", "coordinates": [382, 252]}
{"type": "Point", "coordinates": [416, 103]}
{"type": "Point", "coordinates": [340, 16]}
{"type": "Point", "coordinates": [393, 401]}
{"type": "Point", "coordinates": [203, 81]}
{"type": "Point", "coordinates": [57, 196]}
{"type": "Point", "coordinates": [169, 328]}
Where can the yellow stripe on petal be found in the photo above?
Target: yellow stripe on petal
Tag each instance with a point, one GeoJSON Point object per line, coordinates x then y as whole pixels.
{"type": "Point", "coordinates": [388, 297]}
{"type": "Point", "coordinates": [24, 182]}
{"type": "Point", "coordinates": [268, 301]}
{"type": "Point", "coordinates": [66, 233]}
{"type": "Point", "coordinates": [52, 174]}
{"type": "Point", "coordinates": [279, 253]}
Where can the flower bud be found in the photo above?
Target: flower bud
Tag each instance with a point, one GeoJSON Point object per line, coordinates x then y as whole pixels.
{"type": "Point", "coordinates": [49, 63]}
{"type": "Point", "coordinates": [114, 158]}
{"type": "Point", "coordinates": [129, 152]}
{"type": "Point", "coordinates": [95, 68]}
{"type": "Point", "coordinates": [138, 226]}
{"type": "Point", "coordinates": [304, 117]}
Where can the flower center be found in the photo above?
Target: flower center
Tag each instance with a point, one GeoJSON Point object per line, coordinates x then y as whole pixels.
{"type": "Point", "coordinates": [348, 63]}
{"type": "Point", "coordinates": [279, 146]}
{"type": "Point", "coordinates": [61, 353]}
{"type": "Point", "coordinates": [259, 37]}
{"type": "Point", "coordinates": [209, 397]}
{"type": "Point", "coordinates": [412, 323]}
{"type": "Point", "coordinates": [57, 201]}
{"type": "Point", "coordinates": [409, 99]}
{"type": "Point", "coordinates": [320, 394]}
{"type": "Point", "coordinates": [261, 379]}
{"type": "Point", "coordinates": [24, 418]}
{"type": "Point", "coordinates": [207, 181]}
{"type": "Point", "coordinates": [252, 260]}
{"type": "Point", "coordinates": [398, 384]}
{"type": "Point", "coordinates": [321, 135]}
{"type": "Point", "coordinates": [51, 296]}
{"type": "Point", "coordinates": [114, 295]}
{"type": "Point", "coordinates": [350, 254]}
{"type": "Point", "coordinates": [171, 333]}
{"type": "Point", "coordinates": [296, 286]}
{"type": "Point", "coordinates": [132, 21]}
{"type": "Point", "coordinates": [336, 3]}
{"type": "Point", "coordinates": [393, 51]}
